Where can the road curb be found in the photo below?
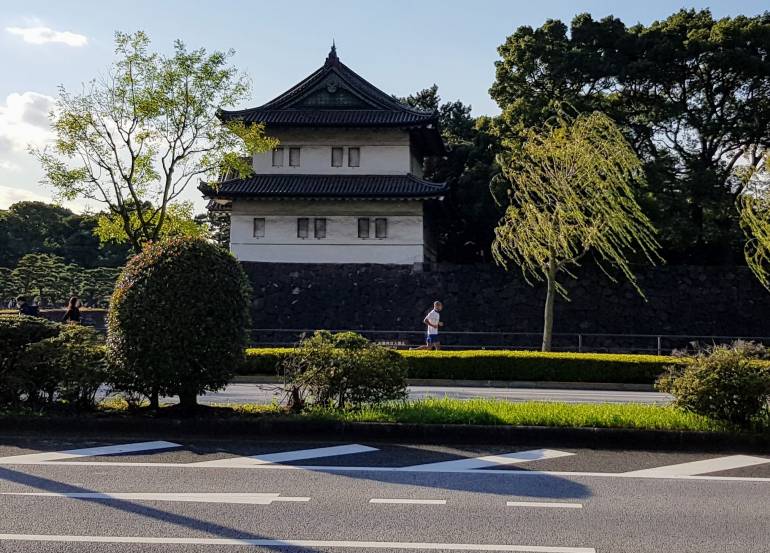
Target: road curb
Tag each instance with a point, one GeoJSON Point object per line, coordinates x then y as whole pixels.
{"type": "Point", "coordinates": [285, 428]}
{"type": "Point", "coordinates": [444, 382]}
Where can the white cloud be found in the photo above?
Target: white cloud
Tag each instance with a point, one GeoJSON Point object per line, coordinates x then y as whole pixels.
{"type": "Point", "coordinates": [10, 195]}
{"type": "Point", "coordinates": [9, 165]}
{"type": "Point", "coordinates": [46, 35]}
{"type": "Point", "coordinates": [24, 122]}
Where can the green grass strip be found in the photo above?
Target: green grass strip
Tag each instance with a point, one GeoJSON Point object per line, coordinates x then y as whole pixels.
{"type": "Point", "coordinates": [500, 412]}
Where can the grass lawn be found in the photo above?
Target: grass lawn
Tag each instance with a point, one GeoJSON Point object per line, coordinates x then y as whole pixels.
{"type": "Point", "coordinates": [499, 412]}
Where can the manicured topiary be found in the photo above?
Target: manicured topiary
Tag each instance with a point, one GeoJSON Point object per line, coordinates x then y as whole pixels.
{"type": "Point", "coordinates": [178, 320]}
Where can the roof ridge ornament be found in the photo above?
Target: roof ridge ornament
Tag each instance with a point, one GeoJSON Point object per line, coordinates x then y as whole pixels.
{"type": "Point", "coordinates": [332, 58]}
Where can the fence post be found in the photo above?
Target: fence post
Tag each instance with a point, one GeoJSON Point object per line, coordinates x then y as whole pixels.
{"type": "Point", "coordinates": [660, 348]}
{"type": "Point", "coordinates": [580, 343]}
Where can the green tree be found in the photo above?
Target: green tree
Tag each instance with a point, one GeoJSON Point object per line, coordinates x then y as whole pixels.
{"type": "Point", "coordinates": [96, 285]}
{"type": "Point", "coordinates": [754, 206]}
{"type": "Point", "coordinates": [147, 129]}
{"type": "Point", "coordinates": [44, 275]}
{"type": "Point", "coordinates": [465, 217]}
{"type": "Point", "coordinates": [37, 227]}
{"type": "Point", "coordinates": [9, 287]}
{"type": "Point", "coordinates": [691, 93]}
{"type": "Point", "coordinates": [571, 194]}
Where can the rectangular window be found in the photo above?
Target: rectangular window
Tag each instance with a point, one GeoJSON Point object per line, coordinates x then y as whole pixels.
{"type": "Point", "coordinates": [278, 157]}
{"type": "Point", "coordinates": [259, 227]}
{"type": "Point", "coordinates": [363, 228]}
{"type": "Point", "coordinates": [320, 227]}
{"type": "Point", "coordinates": [303, 223]}
{"type": "Point", "coordinates": [354, 157]}
{"type": "Point", "coordinates": [293, 157]}
{"type": "Point", "coordinates": [381, 228]}
{"type": "Point", "coordinates": [336, 157]}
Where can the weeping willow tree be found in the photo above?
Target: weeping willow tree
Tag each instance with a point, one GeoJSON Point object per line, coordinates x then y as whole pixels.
{"type": "Point", "coordinates": [570, 195]}
{"type": "Point", "coordinates": [754, 208]}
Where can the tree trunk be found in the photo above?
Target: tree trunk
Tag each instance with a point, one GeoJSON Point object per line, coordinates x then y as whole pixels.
{"type": "Point", "coordinates": [550, 297]}
{"type": "Point", "coordinates": [154, 399]}
{"type": "Point", "coordinates": [188, 400]}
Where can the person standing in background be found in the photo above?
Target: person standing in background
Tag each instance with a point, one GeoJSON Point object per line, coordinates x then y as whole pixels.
{"type": "Point", "coordinates": [72, 315]}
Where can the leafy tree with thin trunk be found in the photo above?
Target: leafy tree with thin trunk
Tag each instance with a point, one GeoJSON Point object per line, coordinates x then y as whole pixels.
{"type": "Point", "coordinates": [571, 195]}
{"type": "Point", "coordinates": [136, 137]}
{"type": "Point", "coordinates": [754, 208]}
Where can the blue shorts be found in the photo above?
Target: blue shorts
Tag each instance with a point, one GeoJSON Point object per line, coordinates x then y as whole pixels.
{"type": "Point", "coordinates": [431, 338]}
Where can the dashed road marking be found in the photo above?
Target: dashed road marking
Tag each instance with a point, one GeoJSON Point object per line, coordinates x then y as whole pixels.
{"type": "Point", "coordinates": [700, 467]}
{"type": "Point", "coordinates": [287, 456]}
{"type": "Point", "coordinates": [233, 498]}
{"type": "Point", "coordinates": [544, 504]}
{"type": "Point", "coordinates": [408, 501]}
{"type": "Point", "coordinates": [36, 458]}
{"type": "Point", "coordinates": [276, 543]}
{"type": "Point", "coordinates": [491, 461]}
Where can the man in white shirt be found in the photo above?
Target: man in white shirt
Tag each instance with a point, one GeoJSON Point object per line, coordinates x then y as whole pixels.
{"type": "Point", "coordinates": [433, 321]}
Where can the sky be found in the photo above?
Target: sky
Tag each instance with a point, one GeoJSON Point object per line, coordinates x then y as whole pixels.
{"type": "Point", "coordinates": [401, 46]}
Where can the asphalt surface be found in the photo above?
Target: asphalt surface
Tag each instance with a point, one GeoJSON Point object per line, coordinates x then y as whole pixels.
{"type": "Point", "coordinates": [365, 497]}
{"type": "Point", "coordinates": [267, 393]}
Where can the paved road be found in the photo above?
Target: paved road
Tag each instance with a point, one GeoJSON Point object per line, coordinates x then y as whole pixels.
{"type": "Point", "coordinates": [265, 393]}
{"type": "Point", "coordinates": [222, 496]}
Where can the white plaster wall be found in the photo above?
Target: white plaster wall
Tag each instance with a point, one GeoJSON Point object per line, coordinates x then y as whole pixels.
{"type": "Point", "coordinates": [403, 245]}
{"type": "Point", "coordinates": [383, 152]}
{"type": "Point", "coordinates": [304, 253]}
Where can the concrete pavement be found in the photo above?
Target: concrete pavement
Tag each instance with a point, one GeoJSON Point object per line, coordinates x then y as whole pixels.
{"type": "Point", "coordinates": [213, 496]}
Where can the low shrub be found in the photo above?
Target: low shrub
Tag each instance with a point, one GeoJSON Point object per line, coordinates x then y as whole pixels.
{"type": "Point", "coordinates": [17, 332]}
{"type": "Point", "coordinates": [725, 383]}
{"type": "Point", "coordinates": [342, 370]}
{"type": "Point", "coordinates": [68, 367]}
{"type": "Point", "coordinates": [503, 365]}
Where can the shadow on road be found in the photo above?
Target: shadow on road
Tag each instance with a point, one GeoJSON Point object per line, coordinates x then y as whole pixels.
{"type": "Point", "coordinates": [184, 521]}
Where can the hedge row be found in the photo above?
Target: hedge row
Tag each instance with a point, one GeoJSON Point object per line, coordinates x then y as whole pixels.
{"type": "Point", "coordinates": [503, 365]}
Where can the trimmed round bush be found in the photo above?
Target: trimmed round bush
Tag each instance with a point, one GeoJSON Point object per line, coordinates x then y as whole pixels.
{"type": "Point", "coordinates": [178, 321]}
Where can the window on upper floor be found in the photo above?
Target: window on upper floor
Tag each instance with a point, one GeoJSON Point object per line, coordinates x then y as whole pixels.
{"type": "Point", "coordinates": [363, 227]}
{"type": "Point", "coordinates": [259, 227]}
{"type": "Point", "coordinates": [380, 227]}
{"type": "Point", "coordinates": [293, 157]}
{"type": "Point", "coordinates": [278, 157]}
{"type": "Point", "coordinates": [303, 225]}
{"type": "Point", "coordinates": [337, 157]}
{"type": "Point", "coordinates": [320, 227]}
{"type": "Point", "coordinates": [354, 157]}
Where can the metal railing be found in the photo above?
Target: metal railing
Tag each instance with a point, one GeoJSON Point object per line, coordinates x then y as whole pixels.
{"type": "Point", "coordinates": [657, 344]}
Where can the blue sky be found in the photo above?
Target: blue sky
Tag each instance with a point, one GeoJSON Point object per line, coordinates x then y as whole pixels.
{"type": "Point", "coordinates": [399, 45]}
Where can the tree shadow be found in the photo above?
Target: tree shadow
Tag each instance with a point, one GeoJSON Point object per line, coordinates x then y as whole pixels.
{"type": "Point", "coordinates": [184, 521]}
{"type": "Point", "coordinates": [527, 483]}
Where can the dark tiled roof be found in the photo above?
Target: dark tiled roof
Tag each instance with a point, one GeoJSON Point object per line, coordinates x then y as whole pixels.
{"type": "Point", "coordinates": [334, 95]}
{"type": "Point", "coordinates": [326, 186]}
{"type": "Point", "coordinates": [335, 118]}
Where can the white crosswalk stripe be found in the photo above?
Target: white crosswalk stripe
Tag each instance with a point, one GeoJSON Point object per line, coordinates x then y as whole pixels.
{"type": "Point", "coordinates": [287, 456]}
{"type": "Point", "coordinates": [35, 458]}
{"type": "Point", "coordinates": [490, 461]}
{"type": "Point", "coordinates": [700, 467]}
